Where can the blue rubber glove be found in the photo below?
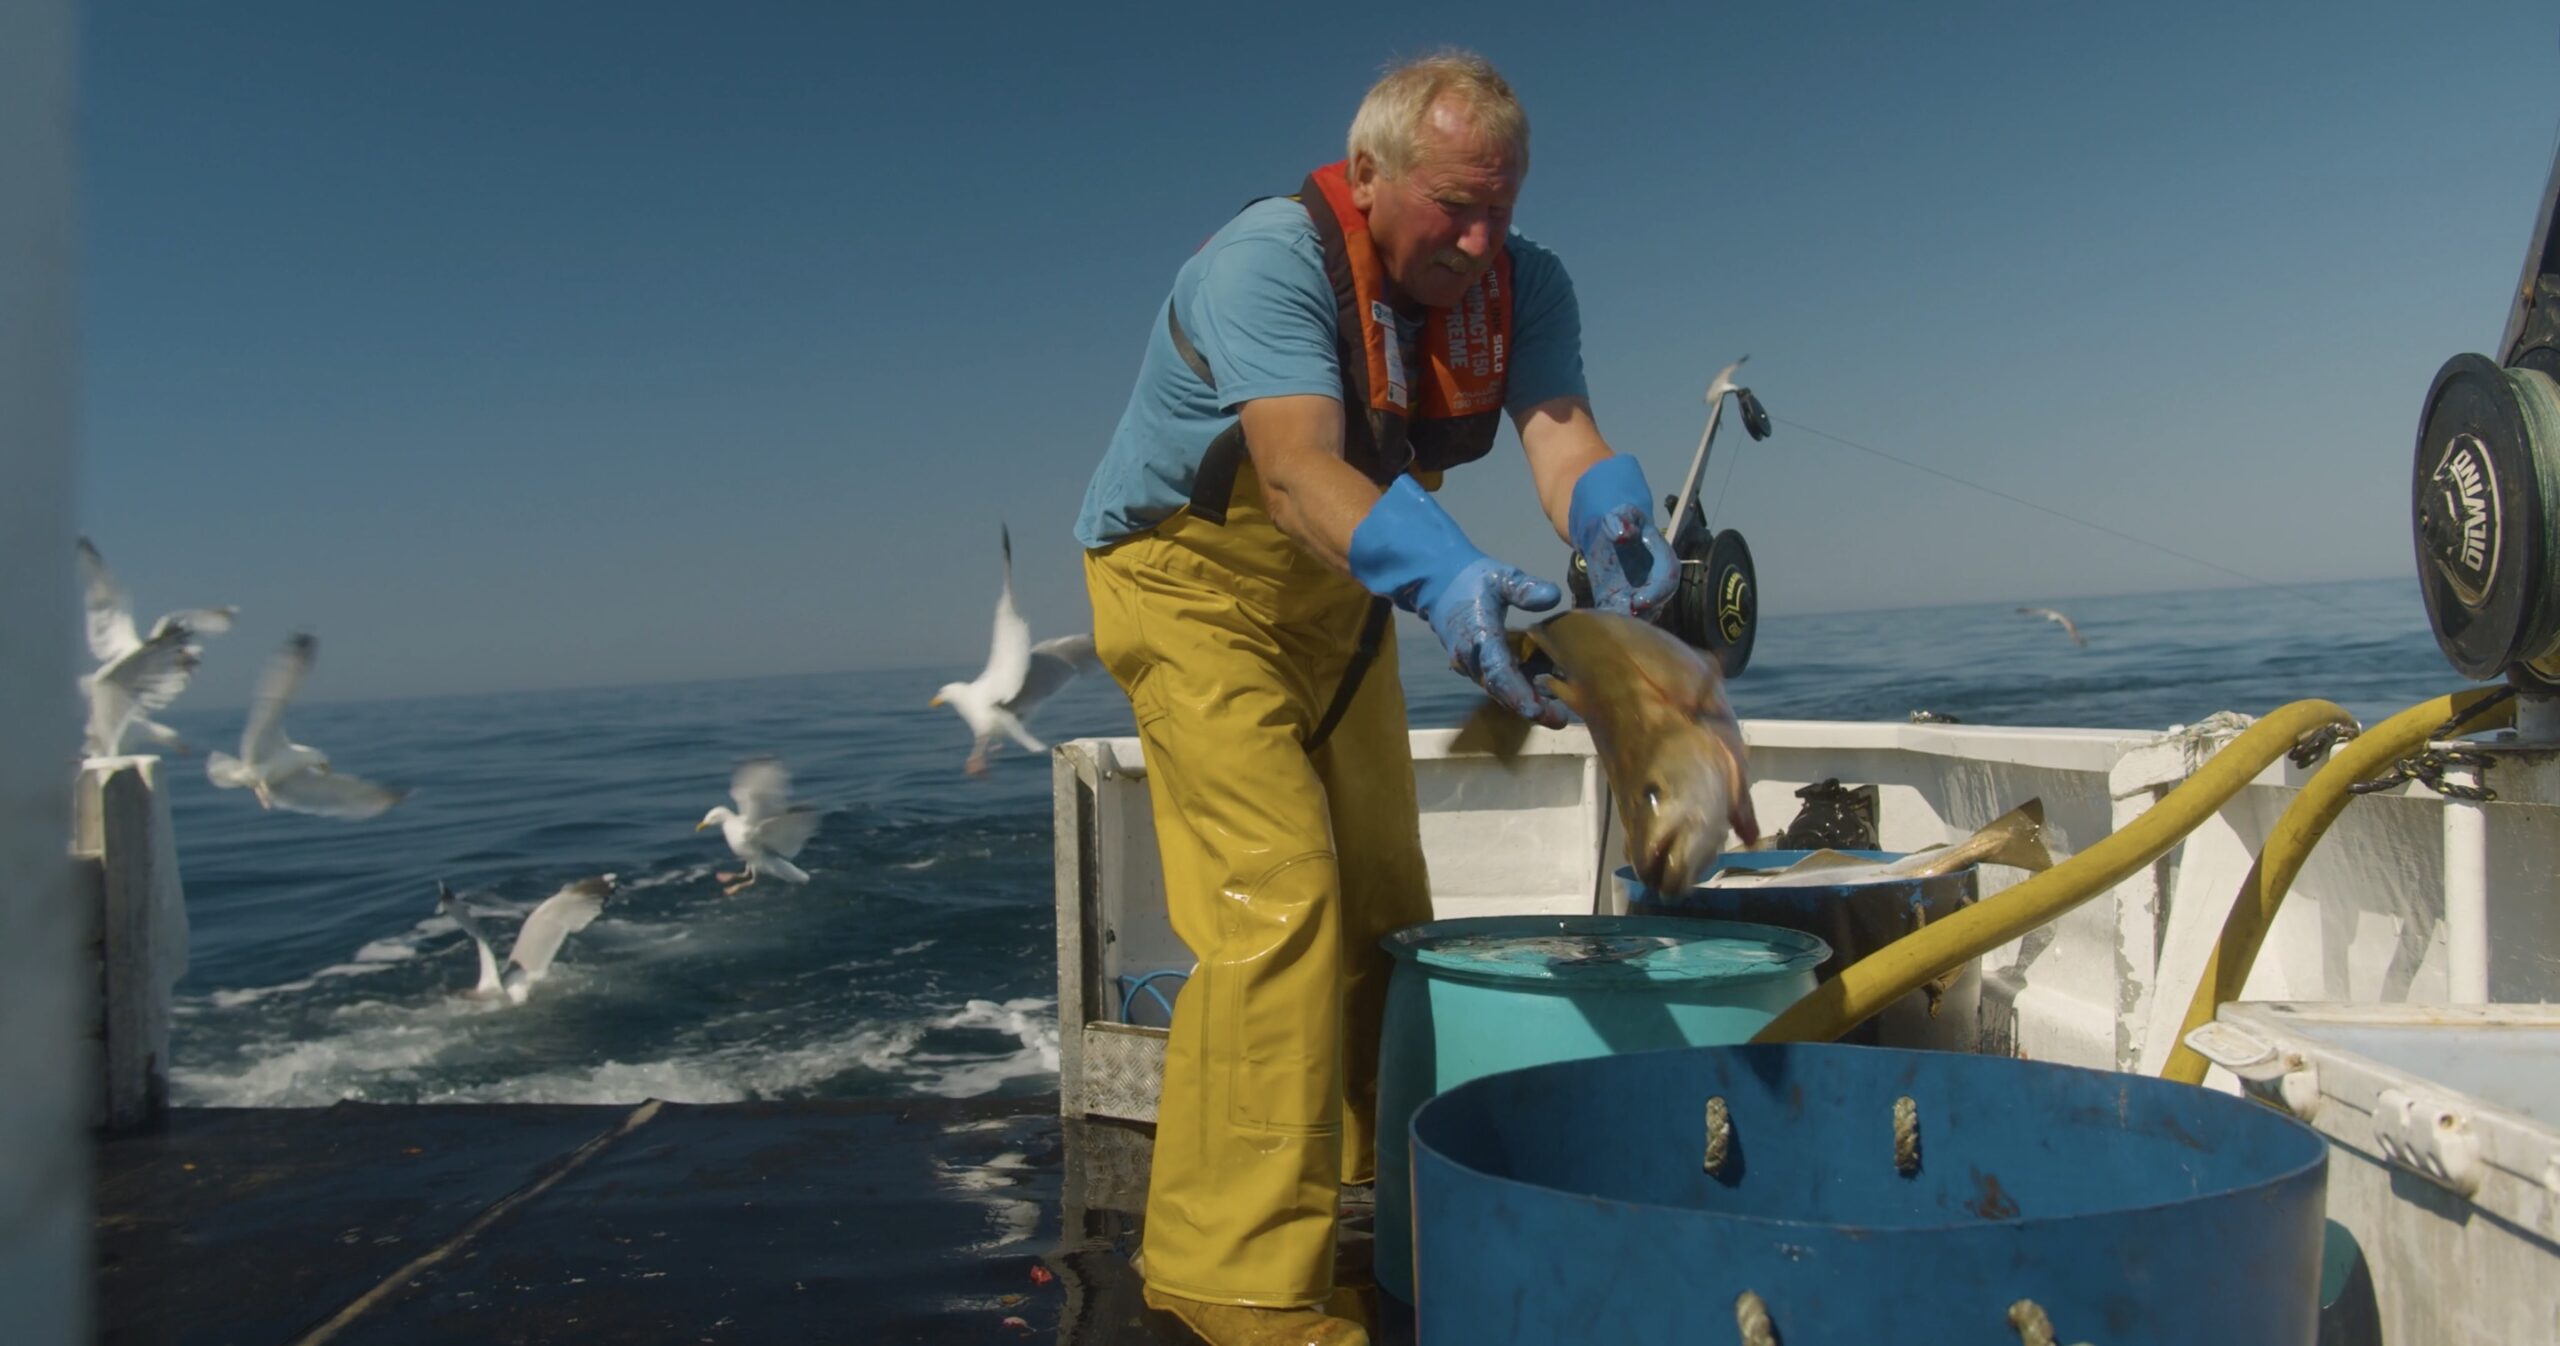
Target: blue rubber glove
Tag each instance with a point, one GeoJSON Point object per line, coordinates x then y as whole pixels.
{"type": "Point", "coordinates": [1410, 552]}
{"type": "Point", "coordinates": [1632, 568]}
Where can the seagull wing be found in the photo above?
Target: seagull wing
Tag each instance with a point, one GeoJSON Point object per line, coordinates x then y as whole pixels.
{"type": "Point", "coordinates": [2069, 628]}
{"type": "Point", "coordinates": [786, 833]}
{"type": "Point", "coordinates": [111, 633]}
{"type": "Point", "coordinates": [201, 621]}
{"type": "Point", "coordinates": [262, 740]}
{"type": "Point", "coordinates": [1009, 656]}
{"type": "Point", "coordinates": [332, 794]}
{"type": "Point", "coordinates": [153, 673]}
{"type": "Point", "coordinates": [762, 787]}
{"type": "Point", "coordinates": [572, 909]}
{"type": "Point", "coordinates": [452, 906]}
{"type": "Point", "coordinates": [1054, 663]}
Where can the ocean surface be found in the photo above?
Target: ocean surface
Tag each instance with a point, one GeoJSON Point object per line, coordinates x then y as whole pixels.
{"type": "Point", "coordinates": [920, 958]}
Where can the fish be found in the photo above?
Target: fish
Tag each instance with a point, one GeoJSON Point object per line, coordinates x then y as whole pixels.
{"type": "Point", "coordinates": [1666, 738]}
{"type": "Point", "coordinates": [2014, 838]}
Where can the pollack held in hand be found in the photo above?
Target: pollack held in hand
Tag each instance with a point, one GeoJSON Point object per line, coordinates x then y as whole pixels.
{"type": "Point", "coordinates": [1665, 736]}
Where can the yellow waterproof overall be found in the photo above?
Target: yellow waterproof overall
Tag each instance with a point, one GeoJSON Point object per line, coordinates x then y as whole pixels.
{"type": "Point", "coordinates": [1282, 870]}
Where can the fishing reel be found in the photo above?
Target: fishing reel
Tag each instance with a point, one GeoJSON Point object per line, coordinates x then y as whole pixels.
{"type": "Point", "coordinates": [1717, 607]}
{"type": "Point", "coordinates": [2485, 489]}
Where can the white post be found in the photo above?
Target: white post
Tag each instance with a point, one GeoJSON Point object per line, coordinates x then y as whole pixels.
{"type": "Point", "coordinates": [44, 993]}
{"type": "Point", "coordinates": [2466, 893]}
{"type": "Point", "coordinates": [128, 860]}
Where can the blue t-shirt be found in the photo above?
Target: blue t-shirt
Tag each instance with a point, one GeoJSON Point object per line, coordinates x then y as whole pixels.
{"type": "Point", "coordinates": [1256, 303]}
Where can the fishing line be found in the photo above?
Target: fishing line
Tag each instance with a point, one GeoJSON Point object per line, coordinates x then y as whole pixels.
{"type": "Point", "coordinates": [1997, 493]}
{"type": "Point", "coordinates": [1733, 463]}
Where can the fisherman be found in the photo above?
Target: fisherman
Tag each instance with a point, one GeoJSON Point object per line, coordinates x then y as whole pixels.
{"type": "Point", "coordinates": [1320, 362]}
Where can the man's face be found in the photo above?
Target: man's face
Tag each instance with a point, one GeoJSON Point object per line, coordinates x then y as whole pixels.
{"type": "Point", "coordinates": [1440, 225]}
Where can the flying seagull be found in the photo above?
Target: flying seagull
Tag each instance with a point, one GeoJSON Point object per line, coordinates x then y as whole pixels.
{"type": "Point", "coordinates": [288, 775]}
{"type": "Point", "coordinates": [136, 673]}
{"type": "Point", "coordinates": [2052, 616]}
{"type": "Point", "coordinates": [1019, 676]}
{"type": "Point", "coordinates": [538, 940]}
{"type": "Point", "coordinates": [766, 830]}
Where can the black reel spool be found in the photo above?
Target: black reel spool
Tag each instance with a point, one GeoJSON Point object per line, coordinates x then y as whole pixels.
{"type": "Point", "coordinates": [2485, 516]}
{"type": "Point", "coordinates": [1717, 608]}
{"type": "Point", "coordinates": [2485, 488]}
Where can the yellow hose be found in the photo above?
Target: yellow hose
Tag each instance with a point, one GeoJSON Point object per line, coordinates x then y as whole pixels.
{"type": "Point", "coordinates": [1897, 969]}
{"type": "Point", "coordinates": [2289, 844]}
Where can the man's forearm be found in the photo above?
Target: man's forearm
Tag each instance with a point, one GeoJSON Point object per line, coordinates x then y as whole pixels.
{"type": "Point", "coordinates": [1312, 495]}
{"type": "Point", "coordinates": [1562, 441]}
{"type": "Point", "coordinates": [1318, 504]}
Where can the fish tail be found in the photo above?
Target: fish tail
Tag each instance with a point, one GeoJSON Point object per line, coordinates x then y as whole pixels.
{"type": "Point", "coordinates": [1493, 729]}
{"type": "Point", "coordinates": [2016, 838]}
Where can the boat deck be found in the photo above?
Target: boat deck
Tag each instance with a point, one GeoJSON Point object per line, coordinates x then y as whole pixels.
{"type": "Point", "coordinates": [890, 1221]}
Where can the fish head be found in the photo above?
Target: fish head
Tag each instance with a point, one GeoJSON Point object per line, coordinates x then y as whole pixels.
{"type": "Point", "coordinates": [1665, 735]}
{"type": "Point", "coordinates": [1694, 790]}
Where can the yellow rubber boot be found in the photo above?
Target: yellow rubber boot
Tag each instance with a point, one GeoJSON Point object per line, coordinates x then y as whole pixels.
{"type": "Point", "coordinates": [1243, 1325]}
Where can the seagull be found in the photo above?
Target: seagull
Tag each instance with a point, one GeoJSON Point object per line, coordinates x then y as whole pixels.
{"type": "Point", "coordinates": [571, 909]}
{"type": "Point", "coordinates": [288, 775]}
{"type": "Point", "coordinates": [2052, 616]}
{"type": "Point", "coordinates": [136, 673]}
{"type": "Point", "coordinates": [1019, 675]}
{"type": "Point", "coordinates": [767, 829]}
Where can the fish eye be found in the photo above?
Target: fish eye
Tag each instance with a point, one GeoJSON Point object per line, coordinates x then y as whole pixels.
{"type": "Point", "coordinates": [1653, 796]}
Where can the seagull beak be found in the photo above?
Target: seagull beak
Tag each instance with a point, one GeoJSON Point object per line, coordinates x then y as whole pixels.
{"type": "Point", "coordinates": [934, 702]}
{"type": "Point", "coordinates": [701, 825]}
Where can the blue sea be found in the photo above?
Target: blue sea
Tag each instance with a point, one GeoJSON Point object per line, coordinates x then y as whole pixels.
{"type": "Point", "coordinates": [920, 958]}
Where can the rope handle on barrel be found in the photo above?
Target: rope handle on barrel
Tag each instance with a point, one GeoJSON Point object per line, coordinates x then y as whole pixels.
{"type": "Point", "coordinates": [1906, 1136]}
{"type": "Point", "coordinates": [2034, 1328]}
{"type": "Point", "coordinates": [1751, 1321]}
{"type": "Point", "coordinates": [1751, 1318]}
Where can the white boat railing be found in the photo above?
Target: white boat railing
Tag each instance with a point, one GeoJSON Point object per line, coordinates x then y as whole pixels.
{"type": "Point", "coordinates": [2106, 985]}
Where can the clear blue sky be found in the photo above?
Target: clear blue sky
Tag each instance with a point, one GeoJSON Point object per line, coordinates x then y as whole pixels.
{"type": "Point", "coordinates": [535, 345]}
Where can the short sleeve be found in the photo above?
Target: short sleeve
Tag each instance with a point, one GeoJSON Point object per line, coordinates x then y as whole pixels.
{"type": "Point", "coordinates": [1262, 316]}
{"type": "Point", "coordinates": [1546, 330]}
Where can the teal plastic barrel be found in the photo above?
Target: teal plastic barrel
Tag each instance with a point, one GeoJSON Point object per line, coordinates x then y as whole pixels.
{"type": "Point", "coordinates": [1479, 995]}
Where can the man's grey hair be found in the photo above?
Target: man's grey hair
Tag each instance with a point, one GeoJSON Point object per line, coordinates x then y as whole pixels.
{"type": "Point", "coordinates": [1388, 127]}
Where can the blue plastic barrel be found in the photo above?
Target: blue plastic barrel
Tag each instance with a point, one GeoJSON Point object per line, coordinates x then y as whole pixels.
{"type": "Point", "coordinates": [1481, 994]}
{"type": "Point", "coordinates": [1855, 920]}
{"type": "Point", "coordinates": [1574, 1202]}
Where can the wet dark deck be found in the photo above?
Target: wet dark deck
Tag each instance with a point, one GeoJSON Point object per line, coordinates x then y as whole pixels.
{"type": "Point", "coordinates": [887, 1221]}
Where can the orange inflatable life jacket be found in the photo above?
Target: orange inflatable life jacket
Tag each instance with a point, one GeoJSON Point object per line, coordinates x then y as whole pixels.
{"type": "Point", "coordinates": [1404, 410]}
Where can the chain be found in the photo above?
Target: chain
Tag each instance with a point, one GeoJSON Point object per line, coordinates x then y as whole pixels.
{"type": "Point", "coordinates": [2428, 767]}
